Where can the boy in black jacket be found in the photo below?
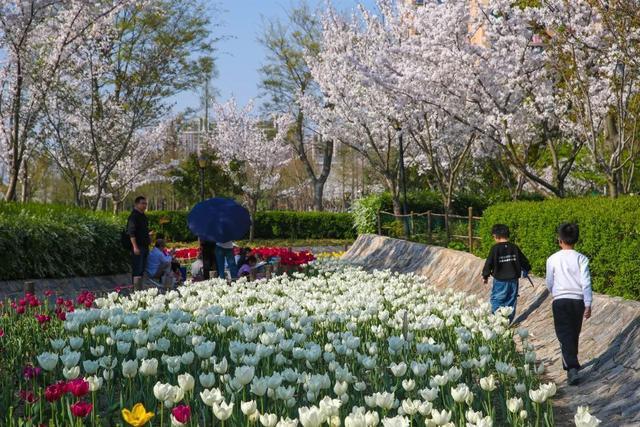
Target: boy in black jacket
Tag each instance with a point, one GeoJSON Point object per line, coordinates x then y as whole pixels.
{"type": "Point", "coordinates": [506, 263]}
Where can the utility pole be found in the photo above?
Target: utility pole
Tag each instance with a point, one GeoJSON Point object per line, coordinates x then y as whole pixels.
{"type": "Point", "coordinates": [403, 182]}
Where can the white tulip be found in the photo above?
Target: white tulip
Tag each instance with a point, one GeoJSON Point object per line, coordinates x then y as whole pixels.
{"type": "Point", "coordinates": [207, 380]}
{"type": "Point", "coordinates": [129, 368]}
{"type": "Point", "coordinates": [71, 373]}
{"type": "Point", "coordinates": [408, 385]}
{"type": "Point", "coordinates": [460, 393]}
{"type": "Point", "coordinates": [222, 410]}
{"type": "Point", "coordinates": [211, 397]}
{"type": "Point", "coordinates": [186, 382]}
{"type": "Point", "coordinates": [399, 369]}
{"type": "Point", "coordinates": [95, 383]}
{"type": "Point", "coordinates": [221, 368]}
{"type": "Point", "coordinates": [249, 408]}
{"type": "Point", "coordinates": [538, 396]}
{"type": "Point", "coordinates": [430, 394]}
{"type": "Point", "coordinates": [440, 418]}
{"type": "Point", "coordinates": [310, 417]}
{"type": "Point", "coordinates": [149, 367]}
{"type": "Point", "coordinates": [584, 419]}
{"type": "Point", "coordinates": [514, 404]}
{"type": "Point", "coordinates": [340, 388]}
{"type": "Point", "coordinates": [488, 383]}
{"type": "Point", "coordinates": [268, 420]}
{"type": "Point", "coordinates": [398, 421]}
{"type": "Point", "coordinates": [244, 374]}
{"type": "Point", "coordinates": [161, 391]}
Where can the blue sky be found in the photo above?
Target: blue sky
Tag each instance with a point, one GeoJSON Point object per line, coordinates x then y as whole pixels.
{"type": "Point", "coordinates": [240, 55]}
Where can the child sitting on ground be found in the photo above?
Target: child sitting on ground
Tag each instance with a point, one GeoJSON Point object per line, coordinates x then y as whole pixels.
{"type": "Point", "coordinates": [248, 266]}
{"type": "Point", "coordinates": [569, 281]}
{"type": "Point", "coordinates": [506, 263]}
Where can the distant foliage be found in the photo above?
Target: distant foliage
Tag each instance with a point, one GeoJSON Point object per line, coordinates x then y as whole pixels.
{"type": "Point", "coordinates": [609, 236]}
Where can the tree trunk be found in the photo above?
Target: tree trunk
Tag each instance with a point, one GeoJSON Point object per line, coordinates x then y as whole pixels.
{"type": "Point", "coordinates": [318, 195]}
{"type": "Point", "coordinates": [253, 206]}
{"type": "Point", "coordinates": [10, 194]}
{"type": "Point", "coordinates": [397, 205]}
{"type": "Point", "coordinates": [612, 185]}
{"type": "Point", "coordinates": [25, 184]}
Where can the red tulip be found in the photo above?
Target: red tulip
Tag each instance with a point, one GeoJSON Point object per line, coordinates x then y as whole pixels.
{"type": "Point", "coordinates": [28, 396]}
{"type": "Point", "coordinates": [20, 309]}
{"type": "Point", "coordinates": [78, 387]}
{"type": "Point", "coordinates": [81, 409]}
{"type": "Point", "coordinates": [55, 391]}
{"type": "Point", "coordinates": [30, 372]}
{"type": "Point", "coordinates": [42, 318]}
{"type": "Point", "coordinates": [182, 413]}
{"type": "Point", "coordinates": [1, 332]}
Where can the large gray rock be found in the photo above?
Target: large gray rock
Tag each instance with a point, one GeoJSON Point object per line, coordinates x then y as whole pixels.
{"type": "Point", "coordinates": [610, 340]}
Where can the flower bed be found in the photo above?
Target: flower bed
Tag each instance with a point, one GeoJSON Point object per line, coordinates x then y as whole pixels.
{"type": "Point", "coordinates": [341, 347]}
{"type": "Point", "coordinates": [286, 256]}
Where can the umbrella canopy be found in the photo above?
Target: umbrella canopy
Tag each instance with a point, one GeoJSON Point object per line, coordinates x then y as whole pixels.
{"type": "Point", "coordinates": [219, 220]}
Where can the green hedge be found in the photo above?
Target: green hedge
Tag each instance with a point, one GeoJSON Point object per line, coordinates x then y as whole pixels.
{"type": "Point", "coordinates": [269, 225]}
{"type": "Point", "coordinates": [609, 236]}
{"type": "Point", "coordinates": [303, 225]}
{"type": "Point", "coordinates": [46, 241]}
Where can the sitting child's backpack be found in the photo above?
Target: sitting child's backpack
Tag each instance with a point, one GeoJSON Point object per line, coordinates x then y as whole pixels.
{"type": "Point", "coordinates": [125, 240]}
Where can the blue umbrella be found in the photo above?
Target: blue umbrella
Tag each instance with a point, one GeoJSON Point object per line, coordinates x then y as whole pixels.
{"type": "Point", "coordinates": [219, 220]}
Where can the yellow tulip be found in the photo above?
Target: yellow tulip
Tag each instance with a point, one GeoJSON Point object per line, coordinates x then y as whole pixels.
{"type": "Point", "coordinates": [138, 416]}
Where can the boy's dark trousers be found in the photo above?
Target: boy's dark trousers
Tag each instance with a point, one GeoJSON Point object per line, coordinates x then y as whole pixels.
{"type": "Point", "coordinates": [567, 319]}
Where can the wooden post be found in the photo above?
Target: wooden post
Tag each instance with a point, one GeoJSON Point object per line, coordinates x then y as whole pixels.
{"type": "Point", "coordinates": [470, 229]}
{"type": "Point", "coordinates": [446, 227]}
{"type": "Point", "coordinates": [429, 227]}
{"type": "Point", "coordinates": [29, 288]}
{"type": "Point", "coordinates": [379, 224]}
{"type": "Point", "coordinates": [268, 271]}
{"type": "Point", "coordinates": [412, 224]}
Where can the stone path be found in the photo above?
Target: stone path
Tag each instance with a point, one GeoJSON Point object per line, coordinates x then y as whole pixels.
{"type": "Point", "coordinates": [610, 340]}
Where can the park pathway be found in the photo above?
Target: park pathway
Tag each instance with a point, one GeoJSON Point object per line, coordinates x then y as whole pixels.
{"type": "Point", "coordinates": [610, 341]}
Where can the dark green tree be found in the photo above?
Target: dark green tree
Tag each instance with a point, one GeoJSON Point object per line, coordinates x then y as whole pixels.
{"type": "Point", "coordinates": [186, 181]}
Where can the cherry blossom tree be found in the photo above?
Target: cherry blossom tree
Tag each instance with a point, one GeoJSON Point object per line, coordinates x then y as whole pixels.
{"type": "Point", "coordinates": [355, 111]}
{"type": "Point", "coordinates": [144, 162]}
{"type": "Point", "coordinates": [111, 97]}
{"type": "Point", "coordinates": [251, 150]}
{"type": "Point", "coordinates": [593, 50]}
{"type": "Point", "coordinates": [37, 38]}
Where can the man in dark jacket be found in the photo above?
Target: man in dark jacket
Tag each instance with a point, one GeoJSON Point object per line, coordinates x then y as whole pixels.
{"type": "Point", "coordinates": [506, 263]}
{"type": "Point", "coordinates": [138, 230]}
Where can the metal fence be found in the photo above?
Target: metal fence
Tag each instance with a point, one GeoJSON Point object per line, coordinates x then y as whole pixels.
{"type": "Point", "coordinates": [431, 228]}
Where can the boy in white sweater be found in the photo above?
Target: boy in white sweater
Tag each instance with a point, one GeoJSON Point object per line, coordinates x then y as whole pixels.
{"type": "Point", "coordinates": [569, 281]}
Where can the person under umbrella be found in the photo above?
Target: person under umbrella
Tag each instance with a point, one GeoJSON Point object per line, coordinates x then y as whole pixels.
{"type": "Point", "coordinates": [220, 220]}
{"type": "Point", "coordinates": [224, 254]}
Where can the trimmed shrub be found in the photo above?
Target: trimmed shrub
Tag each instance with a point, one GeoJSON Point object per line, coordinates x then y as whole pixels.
{"type": "Point", "coordinates": [269, 225]}
{"type": "Point", "coordinates": [609, 236]}
{"type": "Point", "coordinates": [48, 241]}
{"type": "Point", "coordinates": [303, 225]}
{"type": "Point", "coordinates": [51, 241]}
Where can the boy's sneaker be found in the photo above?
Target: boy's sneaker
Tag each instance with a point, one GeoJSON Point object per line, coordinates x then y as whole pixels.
{"type": "Point", "coordinates": [572, 376]}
